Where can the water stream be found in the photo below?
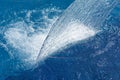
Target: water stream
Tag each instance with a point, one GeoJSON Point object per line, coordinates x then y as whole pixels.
{"type": "Point", "coordinates": [81, 20]}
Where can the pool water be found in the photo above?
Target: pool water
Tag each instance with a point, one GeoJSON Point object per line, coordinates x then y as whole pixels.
{"type": "Point", "coordinates": [24, 26]}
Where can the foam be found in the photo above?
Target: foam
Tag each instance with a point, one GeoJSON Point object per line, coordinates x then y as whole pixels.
{"type": "Point", "coordinates": [24, 39]}
{"type": "Point", "coordinates": [18, 38]}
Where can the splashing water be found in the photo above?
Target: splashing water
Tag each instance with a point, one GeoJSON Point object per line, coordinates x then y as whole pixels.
{"type": "Point", "coordinates": [81, 20]}
{"type": "Point", "coordinates": [24, 36]}
{"type": "Point", "coordinates": [75, 32]}
{"type": "Point", "coordinates": [27, 39]}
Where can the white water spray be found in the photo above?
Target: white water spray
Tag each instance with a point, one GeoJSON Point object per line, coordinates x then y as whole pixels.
{"type": "Point", "coordinates": [81, 20]}
{"type": "Point", "coordinates": [75, 32]}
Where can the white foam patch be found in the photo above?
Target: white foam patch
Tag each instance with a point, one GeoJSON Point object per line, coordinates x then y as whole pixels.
{"type": "Point", "coordinates": [20, 40]}
{"type": "Point", "coordinates": [73, 33]}
{"type": "Point", "coordinates": [26, 39]}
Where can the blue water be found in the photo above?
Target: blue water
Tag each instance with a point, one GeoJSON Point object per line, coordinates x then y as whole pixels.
{"type": "Point", "coordinates": [21, 26]}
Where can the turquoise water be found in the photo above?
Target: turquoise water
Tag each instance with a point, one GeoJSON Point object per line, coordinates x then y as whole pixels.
{"type": "Point", "coordinates": [24, 26]}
